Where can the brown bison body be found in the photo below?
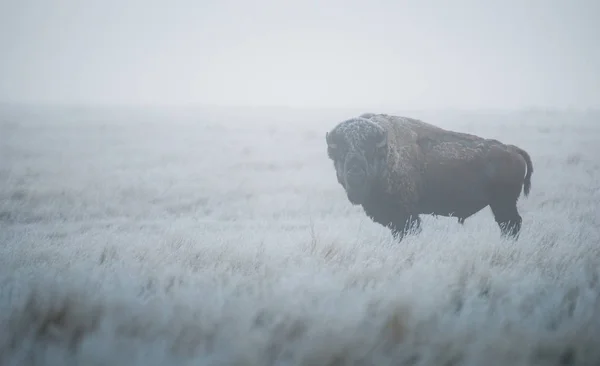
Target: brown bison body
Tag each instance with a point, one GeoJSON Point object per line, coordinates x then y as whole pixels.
{"type": "Point", "coordinates": [398, 168]}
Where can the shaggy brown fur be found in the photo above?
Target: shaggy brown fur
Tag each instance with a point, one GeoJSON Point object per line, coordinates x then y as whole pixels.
{"type": "Point", "coordinates": [398, 168]}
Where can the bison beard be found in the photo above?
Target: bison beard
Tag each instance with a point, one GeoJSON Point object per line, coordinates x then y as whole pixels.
{"type": "Point", "coordinates": [397, 168]}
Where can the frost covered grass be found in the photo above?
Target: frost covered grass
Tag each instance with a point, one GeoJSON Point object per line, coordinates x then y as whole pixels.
{"type": "Point", "coordinates": [154, 237]}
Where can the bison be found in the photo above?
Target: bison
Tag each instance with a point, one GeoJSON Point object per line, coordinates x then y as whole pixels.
{"type": "Point", "coordinates": [398, 168]}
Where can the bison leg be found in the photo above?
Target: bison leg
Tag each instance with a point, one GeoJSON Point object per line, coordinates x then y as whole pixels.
{"type": "Point", "coordinates": [508, 218]}
{"type": "Point", "coordinates": [461, 220]}
{"type": "Point", "coordinates": [402, 227]}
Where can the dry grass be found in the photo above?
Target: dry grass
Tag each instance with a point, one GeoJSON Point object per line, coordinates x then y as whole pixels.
{"type": "Point", "coordinates": [222, 237]}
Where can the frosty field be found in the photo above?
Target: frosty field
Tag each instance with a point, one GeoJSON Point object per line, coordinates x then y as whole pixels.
{"type": "Point", "coordinates": [221, 237]}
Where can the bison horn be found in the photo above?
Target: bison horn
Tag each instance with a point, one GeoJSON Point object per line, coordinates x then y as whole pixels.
{"type": "Point", "coordinates": [329, 143]}
{"type": "Point", "coordinates": [382, 143]}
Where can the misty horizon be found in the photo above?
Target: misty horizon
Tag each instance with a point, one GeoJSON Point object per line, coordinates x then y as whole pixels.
{"type": "Point", "coordinates": [188, 182]}
{"type": "Point", "coordinates": [409, 55]}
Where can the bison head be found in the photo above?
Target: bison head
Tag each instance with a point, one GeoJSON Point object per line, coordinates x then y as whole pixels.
{"type": "Point", "coordinates": [358, 148]}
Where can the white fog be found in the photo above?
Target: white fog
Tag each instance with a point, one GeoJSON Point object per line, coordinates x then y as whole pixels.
{"type": "Point", "coordinates": [168, 196]}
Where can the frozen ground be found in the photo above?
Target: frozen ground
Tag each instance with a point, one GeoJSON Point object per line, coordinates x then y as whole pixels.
{"type": "Point", "coordinates": [223, 238]}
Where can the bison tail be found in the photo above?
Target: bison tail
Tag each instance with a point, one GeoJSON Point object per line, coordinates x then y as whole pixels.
{"type": "Point", "coordinates": [527, 180]}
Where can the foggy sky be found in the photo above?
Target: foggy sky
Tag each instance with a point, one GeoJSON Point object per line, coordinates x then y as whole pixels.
{"type": "Point", "coordinates": [407, 54]}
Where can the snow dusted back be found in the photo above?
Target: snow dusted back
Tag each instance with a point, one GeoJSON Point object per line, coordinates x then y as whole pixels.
{"type": "Point", "coordinates": [221, 237]}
